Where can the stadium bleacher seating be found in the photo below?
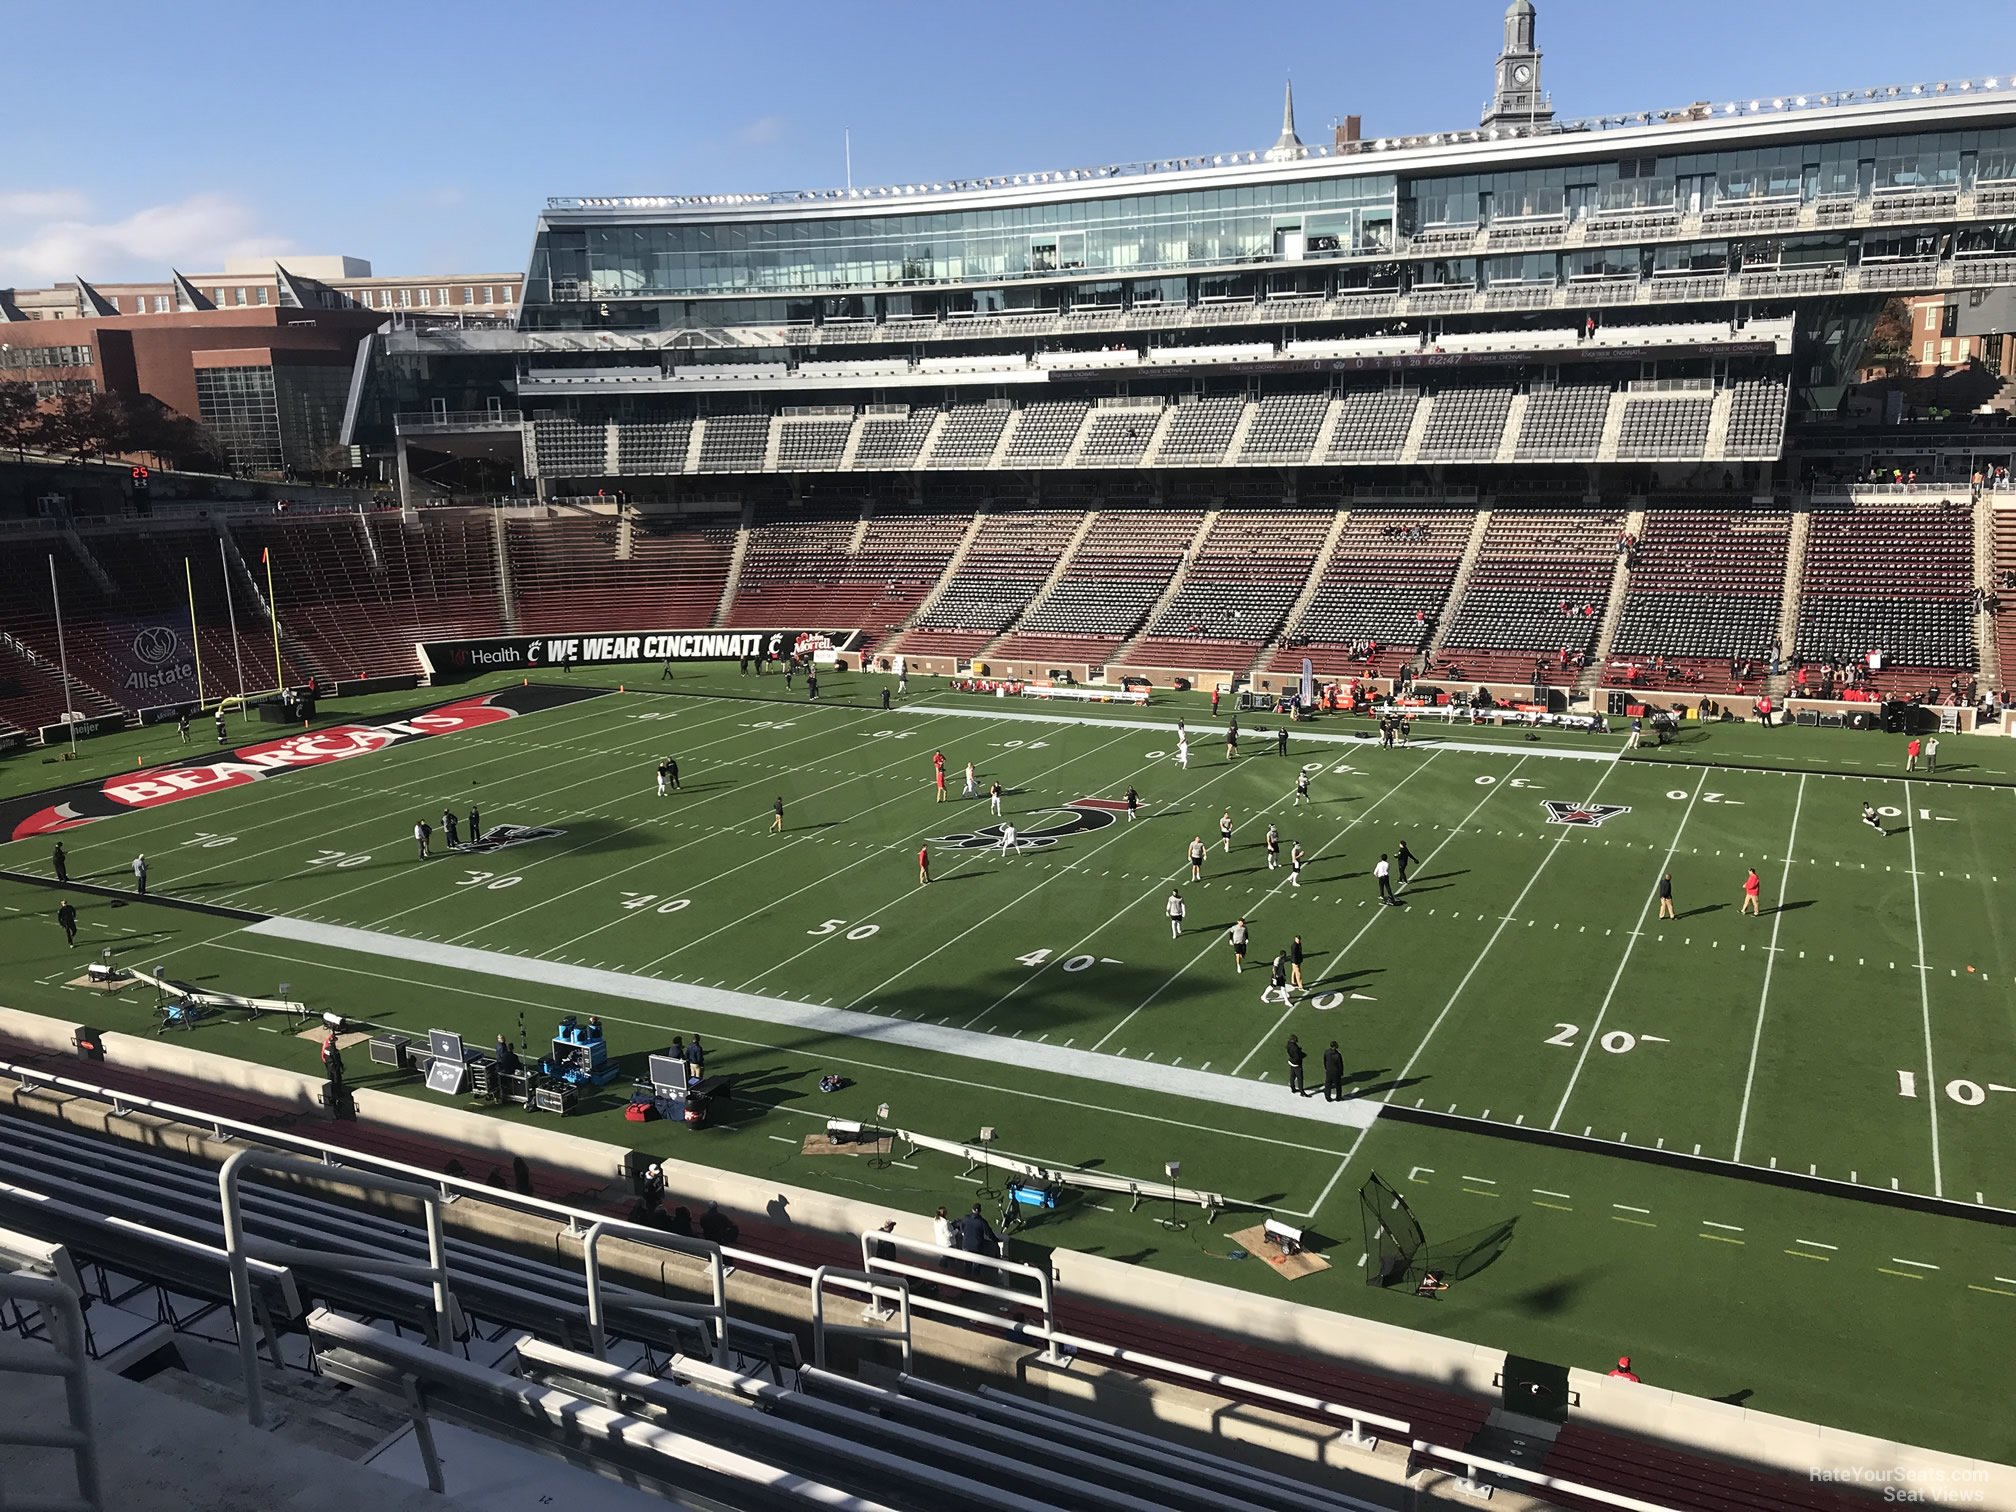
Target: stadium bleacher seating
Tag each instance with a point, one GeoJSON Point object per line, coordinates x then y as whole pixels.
{"type": "Point", "coordinates": [1540, 586]}
{"type": "Point", "coordinates": [648, 447]}
{"type": "Point", "coordinates": [1467, 423]}
{"type": "Point", "coordinates": [567, 448]}
{"type": "Point", "coordinates": [1372, 425]}
{"type": "Point", "coordinates": [813, 445]}
{"type": "Point", "coordinates": [566, 574]}
{"type": "Point", "coordinates": [1285, 428]}
{"type": "Point", "coordinates": [144, 570]}
{"type": "Point", "coordinates": [1384, 586]}
{"type": "Point", "coordinates": [2005, 597]}
{"type": "Point", "coordinates": [1893, 578]}
{"type": "Point", "coordinates": [972, 432]}
{"type": "Point", "coordinates": [1564, 423]}
{"type": "Point", "coordinates": [1704, 593]}
{"type": "Point", "coordinates": [1118, 437]}
{"type": "Point", "coordinates": [802, 569]}
{"type": "Point", "coordinates": [1201, 429]}
{"type": "Point", "coordinates": [1123, 565]}
{"type": "Point", "coordinates": [1003, 571]}
{"type": "Point", "coordinates": [1241, 582]}
{"type": "Point", "coordinates": [893, 441]}
{"type": "Point", "coordinates": [1046, 431]}
{"type": "Point", "coordinates": [1662, 428]}
{"type": "Point", "coordinates": [1756, 418]}
{"type": "Point", "coordinates": [734, 443]}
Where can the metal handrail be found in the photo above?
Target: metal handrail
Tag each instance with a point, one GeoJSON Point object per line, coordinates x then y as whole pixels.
{"type": "Point", "coordinates": [222, 1127]}
{"type": "Point", "coordinates": [1472, 1463]}
{"type": "Point", "coordinates": [64, 1314]}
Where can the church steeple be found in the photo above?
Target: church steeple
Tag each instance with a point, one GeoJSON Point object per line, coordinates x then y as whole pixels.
{"type": "Point", "coordinates": [1518, 100]}
{"type": "Point", "coordinates": [1288, 146]}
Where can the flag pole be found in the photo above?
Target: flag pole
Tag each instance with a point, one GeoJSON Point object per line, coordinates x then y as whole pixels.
{"type": "Point", "coordinates": [62, 656]}
{"type": "Point", "coordinates": [231, 608]}
{"type": "Point", "coordinates": [273, 610]}
{"type": "Point", "coordinates": [195, 636]}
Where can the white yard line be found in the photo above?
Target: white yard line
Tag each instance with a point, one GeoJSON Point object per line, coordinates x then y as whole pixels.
{"type": "Point", "coordinates": [655, 740]}
{"type": "Point", "coordinates": [1214, 1088]}
{"type": "Point", "coordinates": [1377, 914]}
{"type": "Point", "coordinates": [176, 816]}
{"type": "Point", "coordinates": [1367, 739]}
{"type": "Point", "coordinates": [1492, 943]}
{"type": "Point", "coordinates": [1218, 939]}
{"type": "Point", "coordinates": [658, 856]}
{"type": "Point", "coordinates": [1770, 962]}
{"type": "Point", "coordinates": [1226, 770]}
{"type": "Point", "coordinates": [1924, 992]}
{"type": "Point", "coordinates": [938, 822]}
{"type": "Point", "coordinates": [489, 995]}
{"type": "Point", "coordinates": [1630, 945]}
{"type": "Point", "coordinates": [399, 815]}
{"type": "Point", "coordinates": [1053, 873]}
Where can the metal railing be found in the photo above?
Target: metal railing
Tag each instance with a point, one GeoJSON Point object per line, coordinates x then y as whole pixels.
{"type": "Point", "coordinates": [66, 1359]}
{"type": "Point", "coordinates": [1354, 1420]}
{"type": "Point", "coordinates": [229, 1178]}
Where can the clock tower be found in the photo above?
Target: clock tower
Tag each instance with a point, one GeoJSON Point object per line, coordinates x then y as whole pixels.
{"type": "Point", "coordinates": [1518, 99]}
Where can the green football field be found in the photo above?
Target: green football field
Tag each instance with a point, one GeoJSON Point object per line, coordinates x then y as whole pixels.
{"type": "Point", "coordinates": [1535, 1030]}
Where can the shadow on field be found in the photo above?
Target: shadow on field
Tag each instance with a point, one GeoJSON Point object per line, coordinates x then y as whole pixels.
{"type": "Point", "coordinates": [1375, 1088]}
{"type": "Point", "coordinates": [1471, 1254]}
{"type": "Point", "coordinates": [1795, 903]}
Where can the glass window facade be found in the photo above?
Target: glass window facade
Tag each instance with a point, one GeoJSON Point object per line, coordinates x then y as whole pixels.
{"type": "Point", "coordinates": [1117, 235]}
{"type": "Point", "coordinates": [16, 358]}
{"type": "Point", "coordinates": [1056, 256]}
{"type": "Point", "coordinates": [239, 405]}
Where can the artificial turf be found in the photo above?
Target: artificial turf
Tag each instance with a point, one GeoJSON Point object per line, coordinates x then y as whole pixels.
{"type": "Point", "coordinates": [1524, 983]}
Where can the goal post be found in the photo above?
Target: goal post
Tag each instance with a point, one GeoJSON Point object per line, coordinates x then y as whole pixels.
{"type": "Point", "coordinates": [1393, 1237]}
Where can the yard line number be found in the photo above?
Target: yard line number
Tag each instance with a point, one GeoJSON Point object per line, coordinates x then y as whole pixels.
{"type": "Point", "coordinates": [634, 901]}
{"type": "Point", "coordinates": [1617, 1041]}
{"type": "Point", "coordinates": [1968, 1094]}
{"type": "Point", "coordinates": [488, 880]}
{"type": "Point", "coordinates": [1071, 963]}
{"type": "Point", "coordinates": [858, 932]}
{"type": "Point", "coordinates": [341, 860]}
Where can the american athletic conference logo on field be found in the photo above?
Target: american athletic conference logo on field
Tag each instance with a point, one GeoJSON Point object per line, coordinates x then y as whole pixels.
{"type": "Point", "coordinates": [1591, 814]}
{"type": "Point", "coordinates": [1082, 815]}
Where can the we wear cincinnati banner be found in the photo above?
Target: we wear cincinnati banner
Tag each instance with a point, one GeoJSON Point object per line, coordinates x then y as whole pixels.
{"type": "Point", "coordinates": [66, 808]}
{"type": "Point", "coordinates": [530, 653]}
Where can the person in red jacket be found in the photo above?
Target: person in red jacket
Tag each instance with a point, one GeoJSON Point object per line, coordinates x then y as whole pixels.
{"type": "Point", "coordinates": [1623, 1372]}
{"type": "Point", "coordinates": [923, 865]}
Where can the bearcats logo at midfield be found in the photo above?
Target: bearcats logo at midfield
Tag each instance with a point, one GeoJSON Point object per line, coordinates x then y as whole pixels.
{"type": "Point", "coordinates": [1591, 814]}
{"type": "Point", "coordinates": [1082, 815]}
{"type": "Point", "coordinates": [498, 836]}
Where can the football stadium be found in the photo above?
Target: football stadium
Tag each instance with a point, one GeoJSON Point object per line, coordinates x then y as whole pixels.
{"type": "Point", "coordinates": [1315, 827]}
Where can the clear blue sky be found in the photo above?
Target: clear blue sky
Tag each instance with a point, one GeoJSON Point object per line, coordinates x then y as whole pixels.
{"type": "Point", "coordinates": [424, 135]}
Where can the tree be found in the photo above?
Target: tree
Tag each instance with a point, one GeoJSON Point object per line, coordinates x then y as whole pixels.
{"type": "Point", "coordinates": [85, 425]}
{"type": "Point", "coordinates": [20, 417]}
{"type": "Point", "coordinates": [1887, 352]}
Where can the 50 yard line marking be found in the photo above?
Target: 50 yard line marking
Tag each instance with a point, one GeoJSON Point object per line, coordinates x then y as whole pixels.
{"type": "Point", "coordinates": [1770, 961]}
{"type": "Point", "coordinates": [1924, 997]}
{"type": "Point", "coordinates": [1630, 945]}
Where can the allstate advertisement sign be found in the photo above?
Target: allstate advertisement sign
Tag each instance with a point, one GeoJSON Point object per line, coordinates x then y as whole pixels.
{"type": "Point", "coordinates": [538, 653]}
{"type": "Point", "coordinates": [155, 661]}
